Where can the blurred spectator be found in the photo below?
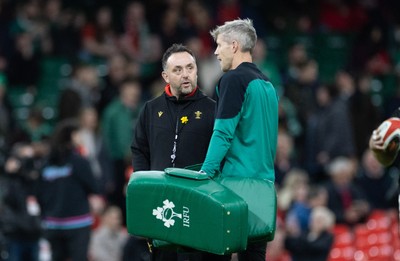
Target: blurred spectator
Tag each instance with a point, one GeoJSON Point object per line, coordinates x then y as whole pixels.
{"type": "Point", "coordinates": [270, 69]}
{"type": "Point", "coordinates": [35, 127]}
{"type": "Point", "coordinates": [65, 25]}
{"type": "Point", "coordinates": [52, 11]}
{"type": "Point", "coordinates": [136, 30]}
{"type": "Point", "coordinates": [66, 216]}
{"type": "Point", "coordinates": [83, 90]}
{"type": "Point", "coordinates": [209, 70]}
{"type": "Point", "coordinates": [20, 215]}
{"type": "Point", "coordinates": [370, 51]}
{"type": "Point", "coordinates": [329, 132]}
{"type": "Point", "coordinates": [317, 196]}
{"type": "Point", "coordinates": [99, 37]}
{"type": "Point", "coordinates": [291, 95]}
{"type": "Point", "coordinates": [379, 183]}
{"type": "Point", "coordinates": [285, 158]}
{"type": "Point", "coordinates": [300, 91]}
{"type": "Point", "coordinates": [200, 23]}
{"type": "Point", "coordinates": [296, 56]}
{"type": "Point", "coordinates": [297, 216]}
{"type": "Point", "coordinates": [118, 71]}
{"type": "Point", "coordinates": [345, 198]}
{"type": "Point", "coordinates": [117, 122]}
{"type": "Point", "coordinates": [97, 205]}
{"type": "Point", "coordinates": [345, 84]}
{"type": "Point", "coordinates": [92, 146]}
{"type": "Point", "coordinates": [157, 87]}
{"type": "Point", "coordinates": [227, 10]}
{"type": "Point", "coordinates": [295, 181]}
{"type": "Point", "coordinates": [364, 123]}
{"type": "Point", "coordinates": [23, 68]}
{"type": "Point", "coordinates": [138, 42]}
{"type": "Point", "coordinates": [341, 15]}
{"type": "Point", "coordinates": [172, 28]}
{"type": "Point", "coordinates": [109, 238]}
{"type": "Point", "coordinates": [31, 40]}
{"type": "Point", "coordinates": [316, 243]}
{"type": "Point", "coordinates": [308, 197]}
{"type": "Point", "coordinates": [288, 120]}
{"type": "Point", "coordinates": [28, 20]}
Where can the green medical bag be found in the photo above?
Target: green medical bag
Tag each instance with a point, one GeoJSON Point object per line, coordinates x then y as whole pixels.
{"type": "Point", "coordinates": [186, 208]}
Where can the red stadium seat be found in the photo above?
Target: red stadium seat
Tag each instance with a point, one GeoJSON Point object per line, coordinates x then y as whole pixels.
{"type": "Point", "coordinates": [342, 254]}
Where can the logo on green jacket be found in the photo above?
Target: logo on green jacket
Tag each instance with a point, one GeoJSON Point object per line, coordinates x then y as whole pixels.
{"type": "Point", "coordinates": [167, 214]}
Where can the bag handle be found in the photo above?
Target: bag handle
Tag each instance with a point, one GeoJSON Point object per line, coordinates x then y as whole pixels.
{"type": "Point", "coordinates": [186, 173]}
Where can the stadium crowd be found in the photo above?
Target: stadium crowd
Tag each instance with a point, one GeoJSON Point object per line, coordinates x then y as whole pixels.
{"type": "Point", "coordinates": [335, 64]}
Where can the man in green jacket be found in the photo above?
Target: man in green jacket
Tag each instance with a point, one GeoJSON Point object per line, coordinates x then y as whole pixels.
{"type": "Point", "coordinates": [244, 140]}
{"type": "Point", "coordinates": [118, 122]}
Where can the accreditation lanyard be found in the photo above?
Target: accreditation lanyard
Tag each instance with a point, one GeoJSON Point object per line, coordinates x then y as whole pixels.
{"type": "Point", "coordinates": [173, 155]}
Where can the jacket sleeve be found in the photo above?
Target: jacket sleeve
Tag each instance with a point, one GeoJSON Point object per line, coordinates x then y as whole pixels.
{"type": "Point", "coordinates": [140, 144]}
{"type": "Point", "coordinates": [219, 145]}
{"type": "Point", "coordinates": [231, 97]}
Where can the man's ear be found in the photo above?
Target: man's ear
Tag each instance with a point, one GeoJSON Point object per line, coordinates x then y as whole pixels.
{"type": "Point", "coordinates": [165, 76]}
{"type": "Point", "coordinates": [235, 46]}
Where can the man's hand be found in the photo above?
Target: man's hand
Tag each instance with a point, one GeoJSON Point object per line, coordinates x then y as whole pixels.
{"type": "Point", "coordinates": [385, 156]}
{"type": "Point", "coordinates": [205, 173]}
{"type": "Point", "coordinates": [376, 141]}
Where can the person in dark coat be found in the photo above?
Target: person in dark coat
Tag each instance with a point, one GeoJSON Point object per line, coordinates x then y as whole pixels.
{"type": "Point", "coordinates": [65, 184]}
{"type": "Point", "coordinates": [173, 130]}
{"type": "Point", "coordinates": [315, 244]}
{"type": "Point", "coordinates": [20, 218]}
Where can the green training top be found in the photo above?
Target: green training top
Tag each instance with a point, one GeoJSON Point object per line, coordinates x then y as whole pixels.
{"type": "Point", "coordinates": [245, 132]}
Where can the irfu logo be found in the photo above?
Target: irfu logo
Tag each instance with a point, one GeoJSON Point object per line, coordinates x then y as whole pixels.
{"type": "Point", "coordinates": [166, 213]}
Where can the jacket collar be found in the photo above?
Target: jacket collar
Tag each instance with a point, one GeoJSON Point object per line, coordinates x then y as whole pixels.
{"type": "Point", "coordinates": [169, 93]}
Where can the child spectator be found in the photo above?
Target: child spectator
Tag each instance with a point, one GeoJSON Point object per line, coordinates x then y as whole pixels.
{"type": "Point", "coordinates": [109, 238]}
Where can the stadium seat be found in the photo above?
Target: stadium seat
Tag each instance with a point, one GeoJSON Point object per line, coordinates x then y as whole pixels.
{"type": "Point", "coordinates": [396, 254]}
{"type": "Point", "coordinates": [342, 254]}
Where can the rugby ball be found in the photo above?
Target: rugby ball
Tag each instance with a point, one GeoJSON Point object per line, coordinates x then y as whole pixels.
{"type": "Point", "coordinates": [390, 130]}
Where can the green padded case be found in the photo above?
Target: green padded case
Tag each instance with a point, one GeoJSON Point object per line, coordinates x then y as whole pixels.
{"type": "Point", "coordinates": [260, 196]}
{"type": "Point", "coordinates": [184, 207]}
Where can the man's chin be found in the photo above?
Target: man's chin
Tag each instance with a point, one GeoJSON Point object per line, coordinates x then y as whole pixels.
{"type": "Point", "coordinates": [187, 90]}
{"type": "Point", "coordinates": [224, 68]}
